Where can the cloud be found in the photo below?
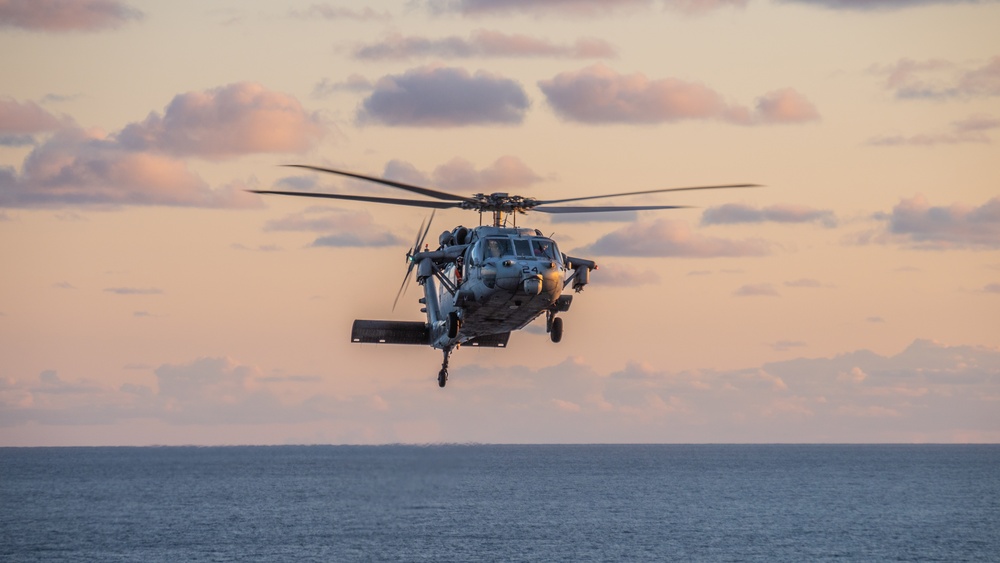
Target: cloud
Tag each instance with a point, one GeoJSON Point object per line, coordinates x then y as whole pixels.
{"type": "Point", "coordinates": [506, 172]}
{"type": "Point", "coordinates": [756, 290]}
{"type": "Point", "coordinates": [134, 290]}
{"type": "Point", "coordinates": [875, 5]}
{"type": "Point", "coordinates": [938, 79]}
{"type": "Point", "coordinates": [140, 165]}
{"type": "Point", "coordinates": [664, 238]}
{"type": "Point", "coordinates": [804, 282]}
{"type": "Point", "coordinates": [970, 130]}
{"type": "Point", "coordinates": [85, 167]}
{"type": "Point", "coordinates": [354, 83]}
{"type": "Point", "coordinates": [22, 120]}
{"type": "Point", "coordinates": [224, 122]}
{"type": "Point", "coordinates": [918, 224]}
{"type": "Point", "coordinates": [786, 105]}
{"type": "Point", "coordinates": [340, 228]}
{"type": "Point", "coordinates": [461, 176]}
{"type": "Point", "coordinates": [337, 13]}
{"type": "Point", "coordinates": [735, 213]}
{"type": "Point", "coordinates": [599, 95]}
{"type": "Point", "coordinates": [928, 392]}
{"type": "Point", "coordinates": [574, 8]}
{"type": "Point", "coordinates": [991, 288]}
{"type": "Point", "coordinates": [481, 43]}
{"type": "Point", "coordinates": [59, 16]}
{"type": "Point", "coordinates": [444, 97]}
{"type": "Point", "coordinates": [618, 275]}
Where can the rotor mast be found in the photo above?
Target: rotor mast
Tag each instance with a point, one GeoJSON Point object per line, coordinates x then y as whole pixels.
{"type": "Point", "coordinates": [500, 204]}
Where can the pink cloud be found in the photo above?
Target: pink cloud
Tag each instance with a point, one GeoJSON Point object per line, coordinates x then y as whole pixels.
{"type": "Point", "coordinates": [664, 237]}
{"type": "Point", "coordinates": [80, 167]}
{"type": "Point", "coordinates": [939, 228]}
{"type": "Point", "coordinates": [434, 96]}
{"type": "Point", "coordinates": [339, 227]}
{"type": "Point", "coordinates": [570, 7]}
{"type": "Point", "coordinates": [619, 275]}
{"type": "Point", "coordinates": [481, 43]}
{"type": "Point", "coordinates": [641, 402]}
{"type": "Point", "coordinates": [733, 213]}
{"type": "Point", "coordinates": [701, 6]}
{"type": "Point", "coordinates": [61, 16]}
{"type": "Point", "coordinates": [224, 122]}
{"type": "Point", "coordinates": [577, 8]}
{"type": "Point", "coordinates": [505, 172]}
{"type": "Point", "coordinates": [336, 13]}
{"type": "Point", "coordinates": [462, 177]}
{"type": "Point", "coordinates": [26, 118]}
{"type": "Point", "coordinates": [865, 5]}
{"type": "Point", "coordinates": [598, 94]}
{"type": "Point", "coordinates": [785, 106]}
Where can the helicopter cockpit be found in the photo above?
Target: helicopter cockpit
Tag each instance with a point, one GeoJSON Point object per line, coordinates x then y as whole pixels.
{"type": "Point", "coordinates": [533, 248]}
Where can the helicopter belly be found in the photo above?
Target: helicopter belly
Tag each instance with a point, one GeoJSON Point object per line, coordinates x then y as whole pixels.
{"type": "Point", "coordinates": [504, 311]}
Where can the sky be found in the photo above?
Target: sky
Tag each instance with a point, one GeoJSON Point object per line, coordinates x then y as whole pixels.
{"type": "Point", "coordinates": [146, 298]}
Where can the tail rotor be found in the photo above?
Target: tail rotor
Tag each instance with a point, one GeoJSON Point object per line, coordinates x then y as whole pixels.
{"type": "Point", "coordinates": [425, 227]}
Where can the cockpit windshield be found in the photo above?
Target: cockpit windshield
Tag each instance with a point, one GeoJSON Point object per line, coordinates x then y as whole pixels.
{"type": "Point", "coordinates": [545, 249]}
{"type": "Point", "coordinates": [523, 248]}
{"type": "Point", "coordinates": [497, 247]}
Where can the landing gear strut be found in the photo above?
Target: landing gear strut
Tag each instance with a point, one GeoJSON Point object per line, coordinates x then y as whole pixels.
{"type": "Point", "coordinates": [443, 374]}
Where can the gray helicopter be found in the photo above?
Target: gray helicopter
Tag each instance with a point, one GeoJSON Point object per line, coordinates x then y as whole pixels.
{"type": "Point", "coordinates": [482, 283]}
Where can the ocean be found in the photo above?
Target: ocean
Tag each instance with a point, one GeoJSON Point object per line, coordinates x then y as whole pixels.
{"type": "Point", "coordinates": [502, 503]}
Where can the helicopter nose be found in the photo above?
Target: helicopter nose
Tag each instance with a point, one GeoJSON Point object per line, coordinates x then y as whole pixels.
{"type": "Point", "coordinates": [532, 285]}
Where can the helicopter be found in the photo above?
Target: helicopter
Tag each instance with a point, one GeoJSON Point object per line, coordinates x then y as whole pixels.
{"type": "Point", "coordinates": [482, 283]}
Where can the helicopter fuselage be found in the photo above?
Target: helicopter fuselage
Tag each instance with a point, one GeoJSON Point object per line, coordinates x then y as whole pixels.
{"type": "Point", "coordinates": [480, 285]}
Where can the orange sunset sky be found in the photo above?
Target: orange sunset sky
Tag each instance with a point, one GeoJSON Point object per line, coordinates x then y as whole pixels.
{"type": "Point", "coordinates": [147, 298]}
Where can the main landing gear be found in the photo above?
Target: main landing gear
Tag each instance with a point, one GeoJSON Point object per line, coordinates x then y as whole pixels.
{"type": "Point", "coordinates": [443, 374]}
{"type": "Point", "coordinates": [554, 326]}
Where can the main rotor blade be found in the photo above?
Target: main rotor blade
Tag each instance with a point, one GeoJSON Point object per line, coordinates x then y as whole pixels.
{"type": "Point", "coordinates": [410, 188]}
{"type": "Point", "coordinates": [372, 199]}
{"type": "Point", "coordinates": [727, 186]}
{"type": "Point", "coordinates": [605, 208]}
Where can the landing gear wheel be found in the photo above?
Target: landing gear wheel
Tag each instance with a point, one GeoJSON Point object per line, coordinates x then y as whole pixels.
{"type": "Point", "coordinates": [555, 332]}
{"type": "Point", "coordinates": [453, 325]}
{"type": "Point", "coordinates": [443, 374]}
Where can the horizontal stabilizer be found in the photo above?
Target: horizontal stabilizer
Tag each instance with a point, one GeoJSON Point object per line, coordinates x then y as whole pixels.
{"type": "Point", "coordinates": [490, 340]}
{"type": "Point", "coordinates": [390, 332]}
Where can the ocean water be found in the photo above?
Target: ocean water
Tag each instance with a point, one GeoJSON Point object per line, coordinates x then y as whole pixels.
{"type": "Point", "coordinates": [502, 503]}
